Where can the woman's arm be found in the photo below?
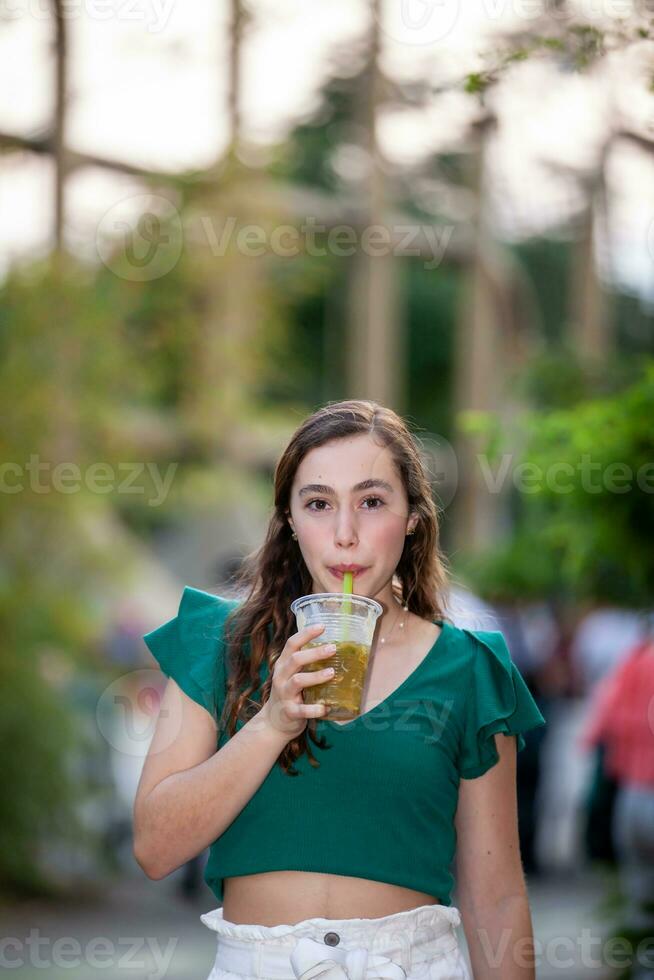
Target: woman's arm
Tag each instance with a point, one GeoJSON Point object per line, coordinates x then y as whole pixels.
{"type": "Point", "coordinates": [189, 793]}
{"type": "Point", "coordinates": [491, 890]}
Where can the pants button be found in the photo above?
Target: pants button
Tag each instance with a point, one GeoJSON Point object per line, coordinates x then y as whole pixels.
{"type": "Point", "coordinates": [332, 938]}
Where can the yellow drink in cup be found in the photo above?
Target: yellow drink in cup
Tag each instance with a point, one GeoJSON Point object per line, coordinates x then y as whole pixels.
{"type": "Point", "coordinates": [349, 622]}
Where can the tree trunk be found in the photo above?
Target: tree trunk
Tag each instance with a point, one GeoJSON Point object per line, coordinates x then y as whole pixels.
{"type": "Point", "coordinates": [376, 355]}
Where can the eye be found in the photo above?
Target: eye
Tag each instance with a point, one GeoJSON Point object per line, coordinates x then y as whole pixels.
{"type": "Point", "coordinates": [378, 499]}
{"type": "Point", "coordinates": [309, 507]}
{"type": "Point", "coordinates": [320, 501]}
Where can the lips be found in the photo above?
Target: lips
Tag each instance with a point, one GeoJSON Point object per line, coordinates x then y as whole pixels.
{"type": "Point", "coordinates": [356, 570]}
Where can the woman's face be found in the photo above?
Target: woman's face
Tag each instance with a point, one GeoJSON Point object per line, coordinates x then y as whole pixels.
{"type": "Point", "coordinates": [338, 524]}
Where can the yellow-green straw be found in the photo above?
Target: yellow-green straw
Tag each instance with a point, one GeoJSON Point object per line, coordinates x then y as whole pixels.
{"type": "Point", "coordinates": [348, 588]}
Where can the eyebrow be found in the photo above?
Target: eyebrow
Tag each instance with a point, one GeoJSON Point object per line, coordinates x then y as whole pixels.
{"type": "Point", "coordinates": [364, 485]}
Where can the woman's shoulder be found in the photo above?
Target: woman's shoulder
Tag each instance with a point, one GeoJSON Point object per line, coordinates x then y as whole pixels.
{"type": "Point", "coordinates": [193, 599]}
{"type": "Point", "coordinates": [197, 610]}
{"type": "Point", "coordinates": [465, 635]}
{"type": "Point", "coordinates": [497, 699]}
{"type": "Point", "coordinates": [189, 646]}
{"type": "Point", "coordinates": [475, 647]}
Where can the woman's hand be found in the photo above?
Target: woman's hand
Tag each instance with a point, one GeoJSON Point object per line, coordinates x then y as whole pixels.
{"type": "Point", "coordinates": [285, 710]}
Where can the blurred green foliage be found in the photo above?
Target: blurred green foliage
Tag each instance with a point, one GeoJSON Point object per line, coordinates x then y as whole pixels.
{"type": "Point", "coordinates": [584, 484]}
{"type": "Point", "coordinates": [577, 47]}
{"type": "Point", "coordinates": [65, 366]}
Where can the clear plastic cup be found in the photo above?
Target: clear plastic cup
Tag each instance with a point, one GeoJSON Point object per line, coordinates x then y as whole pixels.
{"type": "Point", "coordinates": [349, 622]}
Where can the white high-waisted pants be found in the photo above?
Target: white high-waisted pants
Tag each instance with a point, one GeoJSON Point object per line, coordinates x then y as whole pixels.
{"type": "Point", "coordinates": [419, 944]}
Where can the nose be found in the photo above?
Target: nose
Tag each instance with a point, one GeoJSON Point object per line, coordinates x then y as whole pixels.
{"type": "Point", "coordinates": [345, 534]}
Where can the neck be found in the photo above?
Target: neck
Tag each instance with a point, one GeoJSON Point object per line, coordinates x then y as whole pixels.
{"type": "Point", "coordinates": [392, 629]}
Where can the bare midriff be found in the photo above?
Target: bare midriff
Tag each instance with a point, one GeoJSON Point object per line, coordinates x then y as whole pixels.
{"type": "Point", "coordinates": [286, 897]}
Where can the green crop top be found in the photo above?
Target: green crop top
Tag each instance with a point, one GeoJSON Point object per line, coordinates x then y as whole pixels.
{"type": "Point", "coordinates": [401, 760]}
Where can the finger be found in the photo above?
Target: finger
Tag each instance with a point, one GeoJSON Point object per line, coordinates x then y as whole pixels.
{"type": "Point", "coordinates": [313, 653]}
{"type": "Point", "coordinates": [302, 680]}
{"type": "Point", "coordinates": [303, 636]}
{"type": "Point", "coordinates": [311, 710]}
{"type": "Point", "coordinates": [290, 657]}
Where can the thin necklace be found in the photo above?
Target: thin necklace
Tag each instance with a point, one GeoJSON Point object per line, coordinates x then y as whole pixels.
{"type": "Point", "coordinates": [383, 639]}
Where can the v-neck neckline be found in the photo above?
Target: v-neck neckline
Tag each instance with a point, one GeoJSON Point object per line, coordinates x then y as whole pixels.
{"type": "Point", "coordinates": [391, 697]}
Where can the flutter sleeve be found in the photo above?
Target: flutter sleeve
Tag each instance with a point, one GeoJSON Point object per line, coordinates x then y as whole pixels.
{"type": "Point", "coordinates": [497, 700]}
{"type": "Point", "coordinates": [190, 647]}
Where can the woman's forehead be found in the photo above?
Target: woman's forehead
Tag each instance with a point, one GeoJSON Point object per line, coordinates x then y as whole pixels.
{"type": "Point", "coordinates": [344, 462]}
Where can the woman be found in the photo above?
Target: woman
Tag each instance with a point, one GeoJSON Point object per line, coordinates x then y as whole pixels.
{"type": "Point", "coordinates": [331, 842]}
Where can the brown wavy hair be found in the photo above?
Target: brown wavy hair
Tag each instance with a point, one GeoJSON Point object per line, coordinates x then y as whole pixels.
{"type": "Point", "coordinates": [275, 574]}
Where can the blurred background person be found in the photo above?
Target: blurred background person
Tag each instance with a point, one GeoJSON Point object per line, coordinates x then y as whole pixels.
{"type": "Point", "coordinates": [621, 724]}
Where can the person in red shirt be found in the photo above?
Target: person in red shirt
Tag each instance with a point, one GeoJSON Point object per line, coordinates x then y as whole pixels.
{"type": "Point", "coordinates": [622, 721]}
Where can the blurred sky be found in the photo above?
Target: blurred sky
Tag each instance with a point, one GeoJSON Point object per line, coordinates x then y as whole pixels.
{"type": "Point", "coordinates": [148, 86]}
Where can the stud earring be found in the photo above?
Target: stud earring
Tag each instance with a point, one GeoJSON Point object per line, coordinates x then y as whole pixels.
{"type": "Point", "coordinates": [294, 536]}
{"type": "Point", "coordinates": [409, 533]}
